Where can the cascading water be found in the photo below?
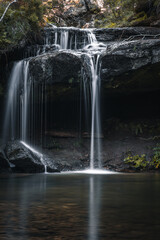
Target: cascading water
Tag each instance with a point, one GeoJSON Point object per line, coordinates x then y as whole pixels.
{"type": "Point", "coordinates": [25, 101]}
{"type": "Point", "coordinates": [95, 122]}
{"type": "Point", "coordinates": [24, 91]}
{"type": "Point", "coordinates": [13, 102]}
{"type": "Point", "coordinates": [40, 155]}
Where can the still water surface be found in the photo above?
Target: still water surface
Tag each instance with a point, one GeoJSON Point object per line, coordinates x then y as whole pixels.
{"type": "Point", "coordinates": [80, 206]}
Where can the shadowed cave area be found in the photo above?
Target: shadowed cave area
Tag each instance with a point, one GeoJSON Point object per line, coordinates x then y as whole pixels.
{"type": "Point", "coordinates": [130, 116]}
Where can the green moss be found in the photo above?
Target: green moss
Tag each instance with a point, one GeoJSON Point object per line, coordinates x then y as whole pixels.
{"type": "Point", "coordinates": [139, 17]}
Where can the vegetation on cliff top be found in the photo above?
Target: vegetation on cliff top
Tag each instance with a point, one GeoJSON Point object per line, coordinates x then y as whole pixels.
{"type": "Point", "coordinates": [21, 20]}
{"type": "Point", "coordinates": [130, 13]}
{"type": "Point", "coordinates": [25, 17]}
{"type": "Point", "coordinates": [104, 13]}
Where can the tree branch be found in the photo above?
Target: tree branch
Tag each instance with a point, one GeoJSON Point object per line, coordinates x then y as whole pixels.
{"type": "Point", "coordinates": [7, 9]}
{"type": "Point", "coordinates": [142, 37]}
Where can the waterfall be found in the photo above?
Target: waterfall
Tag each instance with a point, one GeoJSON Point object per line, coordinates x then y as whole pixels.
{"type": "Point", "coordinates": [25, 101]}
{"type": "Point", "coordinates": [38, 154]}
{"type": "Point", "coordinates": [95, 148]}
{"type": "Point", "coordinates": [13, 102]}
{"type": "Point", "coordinates": [15, 120]}
{"type": "Point", "coordinates": [21, 111]}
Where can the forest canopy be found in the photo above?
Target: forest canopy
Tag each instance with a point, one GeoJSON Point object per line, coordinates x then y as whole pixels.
{"type": "Point", "coordinates": [25, 18]}
{"type": "Point", "coordinates": [21, 19]}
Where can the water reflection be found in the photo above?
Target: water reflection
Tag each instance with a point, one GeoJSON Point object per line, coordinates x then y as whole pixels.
{"type": "Point", "coordinates": [93, 207]}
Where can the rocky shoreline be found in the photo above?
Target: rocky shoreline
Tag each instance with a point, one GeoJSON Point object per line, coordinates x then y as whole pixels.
{"type": "Point", "coordinates": [71, 154]}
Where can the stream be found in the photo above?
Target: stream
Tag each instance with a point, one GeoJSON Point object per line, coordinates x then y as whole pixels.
{"type": "Point", "coordinates": [80, 206]}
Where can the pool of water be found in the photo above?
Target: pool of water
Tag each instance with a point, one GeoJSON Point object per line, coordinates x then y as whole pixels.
{"type": "Point", "coordinates": [80, 206]}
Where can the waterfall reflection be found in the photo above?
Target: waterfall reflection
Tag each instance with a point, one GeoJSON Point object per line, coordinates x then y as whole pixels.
{"type": "Point", "coordinates": [94, 207]}
{"type": "Point", "coordinates": [20, 193]}
{"type": "Point", "coordinates": [79, 207]}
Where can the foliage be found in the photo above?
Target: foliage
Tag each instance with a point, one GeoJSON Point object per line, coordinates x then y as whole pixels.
{"type": "Point", "coordinates": [27, 16]}
{"type": "Point", "coordinates": [128, 12]}
{"type": "Point", "coordinates": [140, 162]}
{"type": "Point", "coordinates": [137, 161]}
{"type": "Point", "coordinates": [117, 13]}
{"type": "Point", "coordinates": [156, 157]}
{"type": "Point", "coordinates": [22, 18]}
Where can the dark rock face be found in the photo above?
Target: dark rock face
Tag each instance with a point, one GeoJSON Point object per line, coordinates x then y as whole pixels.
{"type": "Point", "coordinates": [63, 163]}
{"type": "Point", "coordinates": [120, 34]}
{"type": "Point", "coordinates": [127, 50]}
{"type": "Point", "coordinates": [116, 149]}
{"type": "Point", "coordinates": [56, 67]}
{"type": "Point", "coordinates": [22, 160]}
{"type": "Point", "coordinates": [4, 164]}
{"type": "Point", "coordinates": [128, 56]}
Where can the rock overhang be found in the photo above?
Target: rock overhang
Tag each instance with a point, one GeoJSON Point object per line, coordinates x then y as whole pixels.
{"type": "Point", "coordinates": [122, 63]}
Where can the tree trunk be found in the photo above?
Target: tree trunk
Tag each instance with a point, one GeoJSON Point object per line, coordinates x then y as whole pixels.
{"type": "Point", "coordinates": [86, 3]}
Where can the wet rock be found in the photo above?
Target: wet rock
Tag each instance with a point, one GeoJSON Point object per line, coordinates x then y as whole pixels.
{"type": "Point", "coordinates": [66, 153]}
{"type": "Point", "coordinates": [56, 67]}
{"type": "Point", "coordinates": [128, 49]}
{"type": "Point", "coordinates": [23, 160]}
{"type": "Point", "coordinates": [61, 164]}
{"type": "Point", "coordinates": [120, 34]}
{"type": "Point", "coordinates": [115, 165]}
{"type": "Point", "coordinates": [156, 23]}
{"type": "Point", "coordinates": [4, 164]}
{"type": "Point", "coordinates": [75, 12]}
{"type": "Point", "coordinates": [124, 57]}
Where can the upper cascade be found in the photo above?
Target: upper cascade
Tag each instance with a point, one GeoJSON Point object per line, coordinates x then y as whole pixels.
{"type": "Point", "coordinates": [65, 38]}
{"type": "Point", "coordinates": [82, 40]}
{"type": "Point", "coordinates": [69, 38]}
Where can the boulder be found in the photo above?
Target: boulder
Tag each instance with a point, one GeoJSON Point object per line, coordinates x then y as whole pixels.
{"type": "Point", "coordinates": [55, 67]}
{"type": "Point", "coordinates": [62, 163]}
{"type": "Point", "coordinates": [23, 160]}
{"type": "Point", "coordinates": [4, 164]}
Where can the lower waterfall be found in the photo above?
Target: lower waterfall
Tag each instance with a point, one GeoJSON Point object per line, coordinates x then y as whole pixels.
{"type": "Point", "coordinates": [21, 118]}
{"type": "Point", "coordinates": [95, 149]}
{"type": "Point", "coordinates": [13, 103]}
